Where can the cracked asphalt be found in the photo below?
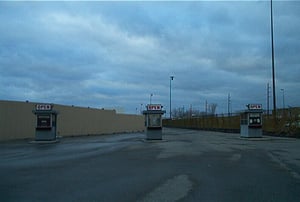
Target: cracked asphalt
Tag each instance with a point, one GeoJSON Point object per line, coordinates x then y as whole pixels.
{"type": "Point", "coordinates": [187, 165]}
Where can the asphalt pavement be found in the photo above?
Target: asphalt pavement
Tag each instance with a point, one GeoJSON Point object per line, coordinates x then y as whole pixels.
{"type": "Point", "coordinates": [187, 165]}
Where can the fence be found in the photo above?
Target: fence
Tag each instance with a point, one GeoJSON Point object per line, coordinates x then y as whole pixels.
{"type": "Point", "coordinates": [286, 123]}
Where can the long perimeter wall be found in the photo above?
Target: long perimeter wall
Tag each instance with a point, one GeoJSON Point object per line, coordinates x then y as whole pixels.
{"type": "Point", "coordinates": [18, 122]}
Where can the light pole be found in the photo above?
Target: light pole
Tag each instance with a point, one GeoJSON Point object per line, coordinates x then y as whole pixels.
{"type": "Point", "coordinates": [268, 99]}
{"type": "Point", "coordinates": [151, 98]}
{"type": "Point", "coordinates": [171, 78]}
{"type": "Point", "coordinates": [141, 110]}
{"type": "Point", "coordinates": [273, 65]}
{"type": "Point", "coordinates": [283, 104]}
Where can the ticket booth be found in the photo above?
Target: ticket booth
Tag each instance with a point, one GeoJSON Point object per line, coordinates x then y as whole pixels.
{"type": "Point", "coordinates": [153, 121]}
{"type": "Point", "coordinates": [251, 121]}
{"type": "Point", "coordinates": [46, 122]}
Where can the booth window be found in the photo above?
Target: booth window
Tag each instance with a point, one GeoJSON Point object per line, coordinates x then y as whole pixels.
{"type": "Point", "coordinates": [44, 121]}
{"type": "Point", "coordinates": [154, 120]}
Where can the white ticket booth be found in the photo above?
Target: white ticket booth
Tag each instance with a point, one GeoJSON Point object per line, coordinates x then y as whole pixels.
{"type": "Point", "coordinates": [251, 121]}
{"type": "Point", "coordinates": [153, 121]}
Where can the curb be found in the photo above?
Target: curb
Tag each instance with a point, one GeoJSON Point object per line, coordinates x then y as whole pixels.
{"type": "Point", "coordinates": [44, 141]}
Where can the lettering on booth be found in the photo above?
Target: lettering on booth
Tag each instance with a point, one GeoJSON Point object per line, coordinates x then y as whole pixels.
{"type": "Point", "coordinates": [154, 107]}
{"type": "Point", "coordinates": [43, 107]}
{"type": "Point", "coordinates": [254, 106]}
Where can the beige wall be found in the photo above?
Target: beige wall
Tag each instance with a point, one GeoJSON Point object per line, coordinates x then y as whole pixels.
{"type": "Point", "coordinates": [18, 122]}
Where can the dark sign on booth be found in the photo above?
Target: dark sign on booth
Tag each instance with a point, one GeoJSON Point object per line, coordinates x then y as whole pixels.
{"type": "Point", "coordinates": [44, 121]}
{"type": "Point", "coordinates": [255, 120]}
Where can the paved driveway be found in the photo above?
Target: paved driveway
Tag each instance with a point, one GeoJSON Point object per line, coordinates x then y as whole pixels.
{"type": "Point", "coordinates": [187, 165]}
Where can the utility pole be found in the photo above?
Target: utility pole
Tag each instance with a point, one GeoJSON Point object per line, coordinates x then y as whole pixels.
{"type": "Point", "coordinates": [206, 107]}
{"type": "Point", "coordinates": [268, 98]}
{"type": "Point", "coordinates": [228, 102]}
{"type": "Point", "coordinates": [283, 104]}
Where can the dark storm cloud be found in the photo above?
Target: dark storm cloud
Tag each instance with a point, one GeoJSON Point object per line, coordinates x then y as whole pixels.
{"type": "Point", "coordinates": [115, 54]}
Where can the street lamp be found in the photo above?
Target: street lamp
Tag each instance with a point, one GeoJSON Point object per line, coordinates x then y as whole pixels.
{"type": "Point", "coordinates": [141, 110]}
{"type": "Point", "coordinates": [283, 98]}
{"type": "Point", "coordinates": [151, 98]}
{"type": "Point", "coordinates": [171, 78]}
{"type": "Point", "coordinates": [273, 65]}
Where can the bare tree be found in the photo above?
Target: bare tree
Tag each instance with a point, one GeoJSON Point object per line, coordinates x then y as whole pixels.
{"type": "Point", "coordinates": [212, 108]}
{"type": "Point", "coordinates": [180, 112]}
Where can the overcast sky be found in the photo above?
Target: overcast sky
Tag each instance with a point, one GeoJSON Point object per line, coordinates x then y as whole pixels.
{"type": "Point", "coordinates": [115, 54]}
